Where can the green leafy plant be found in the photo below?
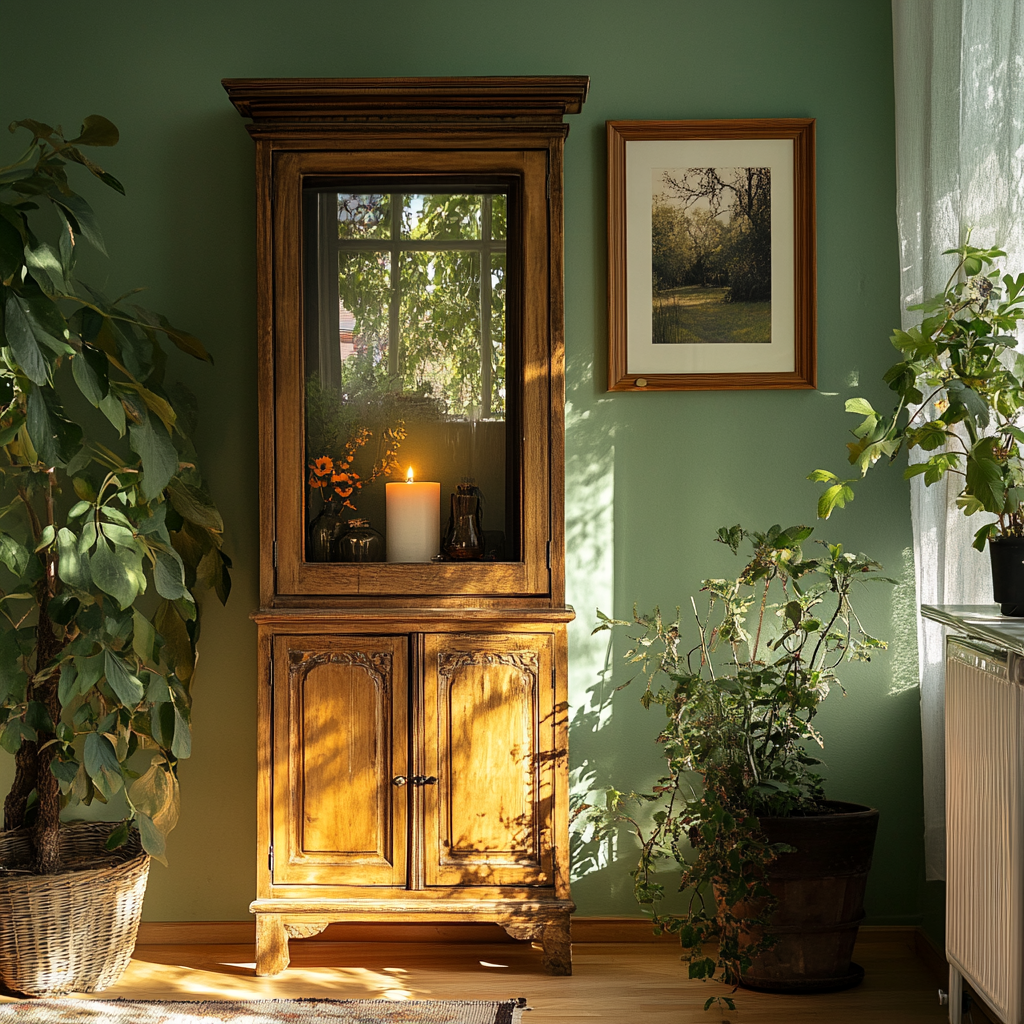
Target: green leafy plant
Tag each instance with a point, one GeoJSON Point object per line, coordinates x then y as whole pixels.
{"type": "Point", "coordinates": [739, 708]}
{"type": "Point", "coordinates": [107, 532]}
{"type": "Point", "coordinates": [959, 389]}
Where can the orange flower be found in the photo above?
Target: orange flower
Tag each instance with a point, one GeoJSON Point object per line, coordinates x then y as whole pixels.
{"type": "Point", "coordinates": [340, 478]}
{"type": "Point", "coordinates": [343, 492]}
{"type": "Point", "coordinates": [322, 466]}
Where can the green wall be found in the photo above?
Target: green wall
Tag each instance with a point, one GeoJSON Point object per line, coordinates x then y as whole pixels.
{"type": "Point", "coordinates": [649, 476]}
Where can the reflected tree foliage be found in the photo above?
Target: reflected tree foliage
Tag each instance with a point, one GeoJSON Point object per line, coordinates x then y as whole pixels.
{"type": "Point", "coordinates": [427, 319]}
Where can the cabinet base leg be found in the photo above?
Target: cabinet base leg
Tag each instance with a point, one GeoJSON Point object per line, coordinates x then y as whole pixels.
{"type": "Point", "coordinates": [271, 945]}
{"type": "Point", "coordinates": [554, 938]}
{"type": "Point", "coordinates": [556, 942]}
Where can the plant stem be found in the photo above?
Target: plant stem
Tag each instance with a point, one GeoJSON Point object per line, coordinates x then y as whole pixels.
{"type": "Point", "coordinates": [32, 517]}
{"type": "Point", "coordinates": [760, 617]}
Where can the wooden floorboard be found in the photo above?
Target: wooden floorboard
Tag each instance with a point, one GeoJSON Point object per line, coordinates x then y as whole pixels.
{"type": "Point", "coordinates": [612, 982]}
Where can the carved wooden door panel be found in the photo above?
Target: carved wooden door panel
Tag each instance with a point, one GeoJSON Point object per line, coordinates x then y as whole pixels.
{"type": "Point", "coordinates": [488, 737]}
{"type": "Point", "coordinates": [340, 738]}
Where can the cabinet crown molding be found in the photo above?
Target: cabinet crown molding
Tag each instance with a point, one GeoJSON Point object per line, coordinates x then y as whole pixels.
{"type": "Point", "coordinates": [492, 100]}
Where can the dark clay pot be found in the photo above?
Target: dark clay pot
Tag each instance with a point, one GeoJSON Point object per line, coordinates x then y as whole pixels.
{"type": "Point", "coordinates": [1007, 556]}
{"type": "Point", "coordinates": [820, 888]}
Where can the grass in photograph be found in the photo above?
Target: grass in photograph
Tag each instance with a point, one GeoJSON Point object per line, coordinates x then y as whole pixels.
{"type": "Point", "coordinates": [693, 315]}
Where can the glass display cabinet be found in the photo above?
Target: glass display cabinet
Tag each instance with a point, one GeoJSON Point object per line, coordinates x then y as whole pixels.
{"type": "Point", "coordinates": [412, 622]}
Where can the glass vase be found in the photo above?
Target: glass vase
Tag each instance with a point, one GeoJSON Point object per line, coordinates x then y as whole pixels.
{"type": "Point", "coordinates": [359, 542]}
{"type": "Point", "coordinates": [464, 538]}
{"type": "Point", "coordinates": [323, 532]}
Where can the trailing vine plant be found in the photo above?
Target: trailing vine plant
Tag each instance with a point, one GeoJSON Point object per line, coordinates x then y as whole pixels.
{"type": "Point", "coordinates": [739, 705]}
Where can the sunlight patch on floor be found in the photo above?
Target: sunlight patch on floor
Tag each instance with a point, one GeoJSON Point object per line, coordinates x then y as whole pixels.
{"type": "Point", "coordinates": [236, 979]}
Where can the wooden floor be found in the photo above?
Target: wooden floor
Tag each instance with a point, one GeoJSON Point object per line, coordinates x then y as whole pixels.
{"type": "Point", "coordinates": [615, 982]}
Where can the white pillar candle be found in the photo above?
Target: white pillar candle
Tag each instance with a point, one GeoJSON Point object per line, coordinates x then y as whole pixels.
{"type": "Point", "coordinates": [414, 520]}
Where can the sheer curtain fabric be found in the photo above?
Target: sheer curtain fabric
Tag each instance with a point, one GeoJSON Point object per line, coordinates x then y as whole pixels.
{"type": "Point", "coordinates": [959, 79]}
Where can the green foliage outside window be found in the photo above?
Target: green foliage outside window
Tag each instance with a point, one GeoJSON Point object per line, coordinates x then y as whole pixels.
{"type": "Point", "coordinates": [439, 333]}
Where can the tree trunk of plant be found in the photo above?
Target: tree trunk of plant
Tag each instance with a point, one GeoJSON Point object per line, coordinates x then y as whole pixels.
{"type": "Point", "coordinates": [32, 764]}
{"type": "Point", "coordinates": [46, 834]}
{"type": "Point", "coordinates": [24, 782]}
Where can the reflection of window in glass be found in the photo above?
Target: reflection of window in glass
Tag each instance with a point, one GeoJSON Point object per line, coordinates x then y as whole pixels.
{"type": "Point", "coordinates": [405, 352]}
{"type": "Point", "coordinates": [420, 295]}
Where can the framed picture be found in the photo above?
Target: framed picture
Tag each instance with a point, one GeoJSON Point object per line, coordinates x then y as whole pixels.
{"type": "Point", "coordinates": [711, 255]}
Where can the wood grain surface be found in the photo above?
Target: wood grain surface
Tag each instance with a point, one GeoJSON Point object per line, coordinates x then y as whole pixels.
{"type": "Point", "coordinates": [613, 983]}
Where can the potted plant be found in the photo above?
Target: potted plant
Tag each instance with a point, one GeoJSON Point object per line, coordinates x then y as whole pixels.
{"type": "Point", "coordinates": [107, 534]}
{"type": "Point", "coordinates": [959, 387]}
{"type": "Point", "coordinates": [772, 872]}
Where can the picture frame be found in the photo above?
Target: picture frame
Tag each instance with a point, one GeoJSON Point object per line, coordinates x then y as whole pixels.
{"type": "Point", "coordinates": [711, 255]}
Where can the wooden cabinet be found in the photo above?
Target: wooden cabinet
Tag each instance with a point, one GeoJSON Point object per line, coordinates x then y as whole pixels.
{"type": "Point", "coordinates": [412, 714]}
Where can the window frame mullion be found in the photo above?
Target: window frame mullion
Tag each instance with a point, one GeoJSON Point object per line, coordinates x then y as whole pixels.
{"type": "Point", "coordinates": [395, 309]}
{"type": "Point", "coordinates": [485, 307]}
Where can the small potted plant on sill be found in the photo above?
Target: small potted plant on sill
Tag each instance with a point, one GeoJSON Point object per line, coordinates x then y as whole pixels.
{"type": "Point", "coordinates": [772, 872]}
{"type": "Point", "coordinates": [107, 534]}
{"type": "Point", "coordinates": [959, 387]}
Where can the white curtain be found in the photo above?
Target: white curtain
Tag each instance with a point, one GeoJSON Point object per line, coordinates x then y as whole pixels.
{"type": "Point", "coordinates": [959, 76]}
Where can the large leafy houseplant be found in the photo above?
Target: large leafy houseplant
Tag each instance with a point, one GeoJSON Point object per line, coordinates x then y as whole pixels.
{"type": "Point", "coordinates": [739, 706]}
{"type": "Point", "coordinates": [107, 532]}
{"type": "Point", "coordinates": [959, 392]}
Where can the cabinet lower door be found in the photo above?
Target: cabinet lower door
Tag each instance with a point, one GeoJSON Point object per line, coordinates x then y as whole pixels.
{"type": "Point", "coordinates": [488, 737]}
{"type": "Point", "coordinates": [340, 728]}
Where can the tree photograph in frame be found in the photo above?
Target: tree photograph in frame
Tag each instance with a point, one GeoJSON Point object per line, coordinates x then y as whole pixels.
{"type": "Point", "coordinates": [711, 254]}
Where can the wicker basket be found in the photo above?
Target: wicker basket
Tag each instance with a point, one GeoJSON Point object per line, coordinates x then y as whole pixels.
{"type": "Point", "coordinates": [72, 932]}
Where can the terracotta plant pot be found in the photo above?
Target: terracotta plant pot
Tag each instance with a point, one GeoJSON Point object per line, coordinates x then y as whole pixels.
{"type": "Point", "coordinates": [820, 889]}
{"type": "Point", "coordinates": [1007, 557]}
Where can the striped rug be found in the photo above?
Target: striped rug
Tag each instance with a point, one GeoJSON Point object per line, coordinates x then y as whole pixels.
{"type": "Point", "coordinates": [261, 1011]}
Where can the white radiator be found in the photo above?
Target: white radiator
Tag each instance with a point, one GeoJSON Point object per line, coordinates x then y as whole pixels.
{"type": "Point", "coordinates": [985, 827]}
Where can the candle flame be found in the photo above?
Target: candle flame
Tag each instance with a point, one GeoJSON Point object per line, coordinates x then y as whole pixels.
{"type": "Point", "coordinates": [408, 476]}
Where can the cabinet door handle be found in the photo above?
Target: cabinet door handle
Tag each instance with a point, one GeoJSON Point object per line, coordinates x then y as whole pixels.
{"type": "Point", "coordinates": [424, 780]}
{"type": "Point", "coordinates": [399, 780]}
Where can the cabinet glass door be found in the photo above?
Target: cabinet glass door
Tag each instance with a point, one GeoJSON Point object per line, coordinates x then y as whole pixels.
{"type": "Point", "coordinates": [411, 330]}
